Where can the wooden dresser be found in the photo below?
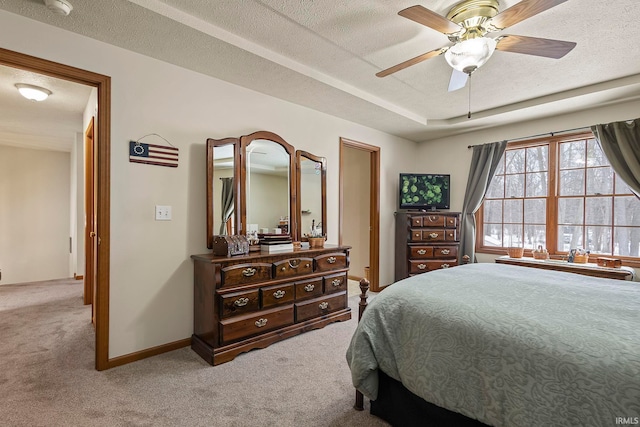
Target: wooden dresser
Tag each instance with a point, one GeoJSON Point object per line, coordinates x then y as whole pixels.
{"type": "Point", "coordinates": [426, 241]}
{"type": "Point", "coordinates": [251, 301]}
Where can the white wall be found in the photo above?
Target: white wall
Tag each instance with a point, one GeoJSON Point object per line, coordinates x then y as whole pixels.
{"type": "Point", "coordinates": [451, 155]}
{"type": "Point", "coordinates": [34, 214]}
{"type": "Point", "coordinates": [151, 294]}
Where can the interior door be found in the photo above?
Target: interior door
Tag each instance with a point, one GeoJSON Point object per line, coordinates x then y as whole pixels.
{"type": "Point", "coordinates": [90, 238]}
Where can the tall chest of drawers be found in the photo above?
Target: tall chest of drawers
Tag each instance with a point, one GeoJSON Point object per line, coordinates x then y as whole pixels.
{"type": "Point", "coordinates": [251, 301]}
{"type": "Point", "coordinates": [426, 241]}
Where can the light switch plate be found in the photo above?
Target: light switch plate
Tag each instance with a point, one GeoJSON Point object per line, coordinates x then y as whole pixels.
{"type": "Point", "coordinates": [163, 213]}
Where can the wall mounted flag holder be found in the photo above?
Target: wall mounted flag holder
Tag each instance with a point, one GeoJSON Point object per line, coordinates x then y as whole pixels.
{"type": "Point", "coordinates": [150, 154]}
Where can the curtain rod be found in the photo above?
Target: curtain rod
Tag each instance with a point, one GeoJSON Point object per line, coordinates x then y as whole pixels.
{"type": "Point", "coordinates": [542, 134]}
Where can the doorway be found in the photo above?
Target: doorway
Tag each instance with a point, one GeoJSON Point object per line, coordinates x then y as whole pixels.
{"type": "Point", "coordinates": [102, 186]}
{"type": "Point", "coordinates": [359, 210]}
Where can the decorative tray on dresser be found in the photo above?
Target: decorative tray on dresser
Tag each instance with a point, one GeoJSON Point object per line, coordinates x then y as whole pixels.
{"type": "Point", "coordinates": [251, 301]}
{"type": "Point", "coordinates": [426, 241]}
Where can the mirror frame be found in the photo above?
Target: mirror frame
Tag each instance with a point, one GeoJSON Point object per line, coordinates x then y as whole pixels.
{"type": "Point", "coordinates": [323, 180]}
{"type": "Point", "coordinates": [244, 143]}
{"type": "Point", "coordinates": [211, 144]}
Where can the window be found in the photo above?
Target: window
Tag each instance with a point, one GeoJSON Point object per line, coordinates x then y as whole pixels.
{"type": "Point", "coordinates": [559, 193]}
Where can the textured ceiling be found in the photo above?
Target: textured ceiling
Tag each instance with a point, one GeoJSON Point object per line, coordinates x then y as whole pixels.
{"type": "Point", "coordinates": [324, 55]}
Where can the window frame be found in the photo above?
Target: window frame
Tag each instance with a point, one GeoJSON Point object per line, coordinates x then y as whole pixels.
{"type": "Point", "coordinates": [553, 141]}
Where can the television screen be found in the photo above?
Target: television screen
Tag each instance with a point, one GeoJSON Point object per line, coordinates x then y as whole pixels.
{"type": "Point", "coordinates": [424, 191]}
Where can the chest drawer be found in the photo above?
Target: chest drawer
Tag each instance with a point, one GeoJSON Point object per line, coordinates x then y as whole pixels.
{"type": "Point", "coordinates": [241, 274]}
{"type": "Point", "coordinates": [292, 267]}
{"type": "Point", "coordinates": [239, 303]}
{"type": "Point", "coordinates": [276, 295]}
{"type": "Point", "coordinates": [320, 306]}
{"type": "Point", "coordinates": [308, 288]}
{"type": "Point", "coordinates": [335, 283]}
{"type": "Point", "coordinates": [422, 266]}
{"type": "Point", "coordinates": [328, 262]}
{"type": "Point", "coordinates": [445, 252]}
{"type": "Point", "coordinates": [239, 327]}
{"type": "Point", "coordinates": [420, 252]}
{"type": "Point", "coordinates": [428, 235]}
{"type": "Point", "coordinates": [428, 221]}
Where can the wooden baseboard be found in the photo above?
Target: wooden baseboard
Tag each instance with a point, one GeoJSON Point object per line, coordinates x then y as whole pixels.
{"type": "Point", "coordinates": [153, 351]}
{"type": "Point", "coordinates": [356, 278]}
{"type": "Point", "coordinates": [78, 276]}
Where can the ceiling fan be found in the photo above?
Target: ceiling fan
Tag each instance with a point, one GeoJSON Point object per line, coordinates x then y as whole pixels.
{"type": "Point", "coordinates": [467, 25]}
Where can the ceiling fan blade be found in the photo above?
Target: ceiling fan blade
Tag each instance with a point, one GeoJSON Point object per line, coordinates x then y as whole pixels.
{"type": "Point", "coordinates": [424, 16]}
{"type": "Point", "coordinates": [458, 80]}
{"type": "Point", "coordinates": [410, 62]}
{"type": "Point", "coordinates": [535, 46]}
{"type": "Point", "coordinates": [521, 11]}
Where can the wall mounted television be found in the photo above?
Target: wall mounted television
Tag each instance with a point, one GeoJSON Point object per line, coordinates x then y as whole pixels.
{"type": "Point", "coordinates": [424, 191]}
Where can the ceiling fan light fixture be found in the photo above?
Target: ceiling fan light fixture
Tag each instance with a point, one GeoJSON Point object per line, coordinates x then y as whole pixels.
{"type": "Point", "coordinates": [33, 93]}
{"type": "Point", "coordinates": [470, 54]}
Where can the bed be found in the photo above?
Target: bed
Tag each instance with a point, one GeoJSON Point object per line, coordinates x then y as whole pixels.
{"type": "Point", "coordinates": [501, 345]}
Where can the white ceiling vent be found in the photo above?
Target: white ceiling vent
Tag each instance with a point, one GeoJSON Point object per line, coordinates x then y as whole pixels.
{"type": "Point", "coordinates": [59, 7]}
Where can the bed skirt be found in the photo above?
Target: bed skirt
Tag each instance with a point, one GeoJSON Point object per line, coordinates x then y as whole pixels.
{"type": "Point", "coordinates": [400, 407]}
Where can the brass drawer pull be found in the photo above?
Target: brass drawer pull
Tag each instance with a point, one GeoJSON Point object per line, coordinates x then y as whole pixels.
{"type": "Point", "coordinates": [294, 263]}
{"type": "Point", "coordinates": [261, 322]}
{"type": "Point", "coordinates": [422, 251]}
{"type": "Point", "coordinates": [331, 260]}
{"type": "Point", "coordinates": [323, 305]}
{"type": "Point", "coordinates": [445, 251]}
{"type": "Point", "coordinates": [421, 266]}
{"type": "Point", "coordinates": [279, 294]}
{"type": "Point", "coordinates": [249, 272]}
{"type": "Point", "coordinates": [433, 235]}
{"type": "Point", "coordinates": [310, 287]}
{"type": "Point", "coordinates": [445, 266]}
{"type": "Point", "coordinates": [241, 302]}
{"type": "Point", "coordinates": [336, 282]}
{"type": "Point", "coordinates": [433, 218]}
{"type": "Point", "coordinates": [417, 235]}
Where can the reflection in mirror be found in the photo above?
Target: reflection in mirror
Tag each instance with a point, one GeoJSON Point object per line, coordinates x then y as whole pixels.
{"type": "Point", "coordinates": [222, 173]}
{"type": "Point", "coordinates": [311, 190]}
{"type": "Point", "coordinates": [267, 187]}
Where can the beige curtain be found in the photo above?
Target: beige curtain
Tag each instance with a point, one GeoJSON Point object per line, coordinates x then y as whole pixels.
{"type": "Point", "coordinates": [620, 142]}
{"type": "Point", "coordinates": [484, 163]}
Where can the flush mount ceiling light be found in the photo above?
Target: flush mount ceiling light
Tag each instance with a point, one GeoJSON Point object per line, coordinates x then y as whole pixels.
{"type": "Point", "coordinates": [59, 7]}
{"type": "Point", "coordinates": [33, 93]}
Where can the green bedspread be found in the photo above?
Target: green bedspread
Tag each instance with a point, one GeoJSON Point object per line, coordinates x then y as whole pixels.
{"type": "Point", "coordinates": [507, 345]}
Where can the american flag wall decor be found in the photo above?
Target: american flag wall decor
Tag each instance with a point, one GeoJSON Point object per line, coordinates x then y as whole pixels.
{"type": "Point", "coordinates": [150, 154]}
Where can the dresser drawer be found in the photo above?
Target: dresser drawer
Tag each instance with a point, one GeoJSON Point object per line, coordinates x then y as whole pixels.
{"type": "Point", "coordinates": [328, 262]}
{"type": "Point", "coordinates": [292, 267]}
{"type": "Point", "coordinates": [308, 288]}
{"type": "Point", "coordinates": [240, 327]}
{"type": "Point", "coordinates": [427, 221]}
{"type": "Point", "coordinates": [422, 266]}
{"type": "Point", "coordinates": [335, 283]}
{"type": "Point", "coordinates": [451, 235]}
{"type": "Point", "coordinates": [445, 252]}
{"type": "Point", "coordinates": [428, 235]}
{"type": "Point", "coordinates": [420, 252]}
{"type": "Point", "coordinates": [240, 274]}
{"type": "Point", "coordinates": [276, 295]}
{"type": "Point", "coordinates": [320, 306]}
{"type": "Point", "coordinates": [239, 303]}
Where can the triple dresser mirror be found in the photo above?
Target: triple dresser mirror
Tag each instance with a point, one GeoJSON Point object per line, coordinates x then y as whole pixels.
{"type": "Point", "coordinates": [260, 183]}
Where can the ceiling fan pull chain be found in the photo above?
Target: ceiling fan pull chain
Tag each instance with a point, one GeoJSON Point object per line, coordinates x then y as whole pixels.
{"type": "Point", "coordinates": [469, 114]}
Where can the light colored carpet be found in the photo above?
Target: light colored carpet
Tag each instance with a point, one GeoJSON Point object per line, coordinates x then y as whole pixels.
{"type": "Point", "coordinates": [48, 376]}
